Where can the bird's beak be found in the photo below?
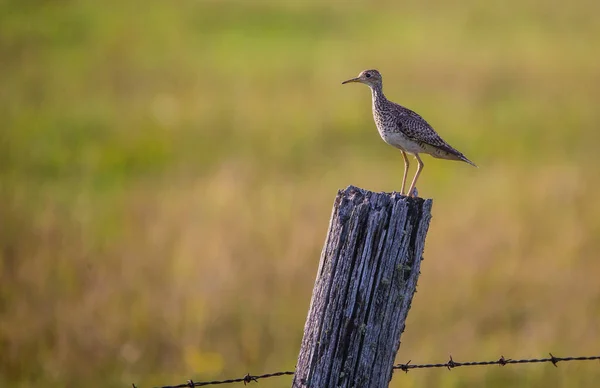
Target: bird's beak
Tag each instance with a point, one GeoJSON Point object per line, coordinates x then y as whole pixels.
{"type": "Point", "coordinates": [351, 80]}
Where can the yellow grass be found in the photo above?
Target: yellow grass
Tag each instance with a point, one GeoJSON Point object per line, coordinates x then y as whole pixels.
{"type": "Point", "coordinates": [167, 171]}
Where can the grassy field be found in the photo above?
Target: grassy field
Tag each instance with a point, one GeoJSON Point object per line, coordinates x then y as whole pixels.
{"type": "Point", "coordinates": [167, 170]}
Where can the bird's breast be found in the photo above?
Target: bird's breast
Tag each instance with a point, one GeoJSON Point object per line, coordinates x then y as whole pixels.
{"type": "Point", "coordinates": [392, 135]}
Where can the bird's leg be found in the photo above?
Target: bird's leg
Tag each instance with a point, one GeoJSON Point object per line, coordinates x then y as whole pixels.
{"type": "Point", "coordinates": [414, 181]}
{"type": "Point", "coordinates": [406, 165]}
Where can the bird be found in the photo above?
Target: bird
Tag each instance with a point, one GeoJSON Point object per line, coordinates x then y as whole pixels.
{"type": "Point", "coordinates": [404, 129]}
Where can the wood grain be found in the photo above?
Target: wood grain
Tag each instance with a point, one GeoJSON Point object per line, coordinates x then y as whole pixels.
{"type": "Point", "coordinates": [365, 283]}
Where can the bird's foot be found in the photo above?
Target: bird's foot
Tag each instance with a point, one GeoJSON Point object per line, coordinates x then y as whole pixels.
{"type": "Point", "coordinates": [414, 193]}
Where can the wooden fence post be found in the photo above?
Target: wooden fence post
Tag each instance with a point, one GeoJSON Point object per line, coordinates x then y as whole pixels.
{"type": "Point", "coordinates": [365, 283]}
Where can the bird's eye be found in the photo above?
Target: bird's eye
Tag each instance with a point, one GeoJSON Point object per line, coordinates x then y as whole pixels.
{"type": "Point", "coordinates": [368, 75]}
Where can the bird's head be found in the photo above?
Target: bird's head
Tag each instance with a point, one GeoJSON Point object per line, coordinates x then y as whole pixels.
{"type": "Point", "coordinates": [367, 77]}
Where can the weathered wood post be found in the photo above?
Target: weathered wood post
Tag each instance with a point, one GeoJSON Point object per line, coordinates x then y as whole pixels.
{"type": "Point", "coordinates": [365, 283]}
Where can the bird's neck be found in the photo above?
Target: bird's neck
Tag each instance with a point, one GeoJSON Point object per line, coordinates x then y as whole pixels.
{"type": "Point", "coordinates": [378, 96]}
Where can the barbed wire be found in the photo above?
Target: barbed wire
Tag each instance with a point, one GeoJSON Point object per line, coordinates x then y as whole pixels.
{"type": "Point", "coordinates": [246, 379]}
{"type": "Point", "coordinates": [450, 364]}
{"type": "Point", "coordinates": [501, 361]}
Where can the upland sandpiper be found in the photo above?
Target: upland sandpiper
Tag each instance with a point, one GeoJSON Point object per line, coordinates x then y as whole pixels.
{"type": "Point", "coordinates": [404, 129]}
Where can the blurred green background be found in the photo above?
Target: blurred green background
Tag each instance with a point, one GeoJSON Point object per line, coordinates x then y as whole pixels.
{"type": "Point", "coordinates": [167, 171]}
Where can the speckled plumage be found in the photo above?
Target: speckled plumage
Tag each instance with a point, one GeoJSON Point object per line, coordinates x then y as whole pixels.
{"type": "Point", "coordinates": [404, 129]}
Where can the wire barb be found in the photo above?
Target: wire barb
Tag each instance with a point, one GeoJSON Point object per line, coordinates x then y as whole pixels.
{"type": "Point", "coordinates": [249, 379]}
{"type": "Point", "coordinates": [502, 361]}
{"type": "Point", "coordinates": [450, 364]}
{"type": "Point", "coordinates": [404, 367]}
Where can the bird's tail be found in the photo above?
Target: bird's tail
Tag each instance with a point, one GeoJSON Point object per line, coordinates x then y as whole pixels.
{"type": "Point", "coordinates": [449, 153]}
{"type": "Point", "coordinates": [464, 159]}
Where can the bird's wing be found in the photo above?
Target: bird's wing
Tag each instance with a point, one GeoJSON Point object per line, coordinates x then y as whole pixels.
{"type": "Point", "coordinates": [416, 128]}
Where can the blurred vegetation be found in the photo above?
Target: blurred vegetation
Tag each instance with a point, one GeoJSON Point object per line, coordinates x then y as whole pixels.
{"type": "Point", "coordinates": [167, 170]}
